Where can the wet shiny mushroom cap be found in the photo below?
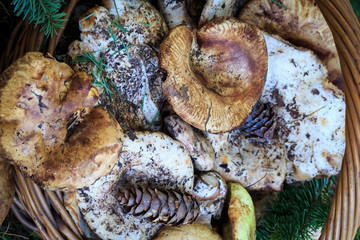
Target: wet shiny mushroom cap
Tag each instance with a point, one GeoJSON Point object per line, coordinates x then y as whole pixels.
{"type": "Point", "coordinates": [215, 74]}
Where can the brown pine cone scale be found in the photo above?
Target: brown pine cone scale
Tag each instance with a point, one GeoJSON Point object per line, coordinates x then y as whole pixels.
{"type": "Point", "coordinates": [261, 124]}
{"type": "Point", "coordinates": [162, 206]}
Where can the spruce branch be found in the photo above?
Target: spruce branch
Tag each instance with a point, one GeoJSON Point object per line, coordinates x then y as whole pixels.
{"type": "Point", "coordinates": [44, 12]}
{"type": "Point", "coordinates": [298, 211]}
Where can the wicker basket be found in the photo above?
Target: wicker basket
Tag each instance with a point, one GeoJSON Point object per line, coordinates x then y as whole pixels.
{"type": "Point", "coordinates": [43, 211]}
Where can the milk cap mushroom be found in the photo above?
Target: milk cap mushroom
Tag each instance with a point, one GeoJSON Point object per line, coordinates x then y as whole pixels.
{"type": "Point", "coordinates": [215, 74]}
{"type": "Point", "coordinates": [129, 60]}
{"type": "Point", "coordinates": [49, 129]}
{"type": "Point", "coordinates": [301, 23]}
{"type": "Point", "coordinates": [150, 159]}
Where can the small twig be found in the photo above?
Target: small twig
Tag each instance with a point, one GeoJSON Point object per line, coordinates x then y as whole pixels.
{"type": "Point", "coordinates": [14, 235]}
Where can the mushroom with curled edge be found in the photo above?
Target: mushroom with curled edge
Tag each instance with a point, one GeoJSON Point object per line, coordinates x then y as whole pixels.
{"type": "Point", "coordinates": [121, 52]}
{"type": "Point", "coordinates": [216, 71]}
{"type": "Point", "coordinates": [312, 108]}
{"type": "Point", "coordinates": [199, 147]}
{"type": "Point", "coordinates": [153, 160]}
{"type": "Point", "coordinates": [303, 140]}
{"type": "Point", "coordinates": [49, 129]}
{"type": "Point", "coordinates": [301, 23]}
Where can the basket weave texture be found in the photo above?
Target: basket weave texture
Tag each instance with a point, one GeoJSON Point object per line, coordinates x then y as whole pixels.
{"type": "Point", "coordinates": [44, 213]}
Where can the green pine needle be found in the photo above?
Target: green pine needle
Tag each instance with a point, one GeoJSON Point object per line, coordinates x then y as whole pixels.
{"type": "Point", "coordinates": [118, 25]}
{"type": "Point", "coordinates": [116, 88]}
{"type": "Point", "coordinates": [144, 24]}
{"type": "Point", "coordinates": [156, 116]}
{"type": "Point", "coordinates": [142, 102]}
{"type": "Point", "coordinates": [87, 17]}
{"type": "Point", "coordinates": [126, 47]}
{"type": "Point", "coordinates": [43, 12]}
{"type": "Point", "coordinates": [280, 4]}
{"type": "Point", "coordinates": [113, 36]}
{"type": "Point", "coordinates": [100, 67]}
{"type": "Point", "coordinates": [297, 211]}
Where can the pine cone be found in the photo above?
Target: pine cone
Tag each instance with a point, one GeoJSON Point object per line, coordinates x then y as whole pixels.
{"type": "Point", "coordinates": [260, 125]}
{"type": "Point", "coordinates": [162, 206]}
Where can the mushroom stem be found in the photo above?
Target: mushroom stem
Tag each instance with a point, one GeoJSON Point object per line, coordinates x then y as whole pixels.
{"type": "Point", "coordinates": [217, 8]}
{"type": "Point", "coordinates": [175, 13]}
{"type": "Point", "coordinates": [198, 146]}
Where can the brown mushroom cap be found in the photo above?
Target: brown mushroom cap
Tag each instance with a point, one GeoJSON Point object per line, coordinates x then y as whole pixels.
{"type": "Point", "coordinates": [7, 189]}
{"type": "Point", "coordinates": [215, 74]}
{"type": "Point", "coordinates": [49, 129]}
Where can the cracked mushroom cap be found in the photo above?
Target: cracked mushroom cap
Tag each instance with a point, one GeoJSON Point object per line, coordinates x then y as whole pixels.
{"type": "Point", "coordinates": [151, 159]}
{"type": "Point", "coordinates": [301, 23]}
{"type": "Point", "coordinates": [216, 71]}
{"type": "Point", "coordinates": [48, 128]}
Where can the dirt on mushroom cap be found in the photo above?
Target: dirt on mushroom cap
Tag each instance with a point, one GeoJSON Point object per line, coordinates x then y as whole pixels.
{"type": "Point", "coordinates": [214, 72]}
{"type": "Point", "coordinates": [300, 22]}
{"type": "Point", "coordinates": [42, 97]}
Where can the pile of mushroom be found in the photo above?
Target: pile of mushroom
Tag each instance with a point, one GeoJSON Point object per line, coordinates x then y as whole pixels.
{"type": "Point", "coordinates": [246, 107]}
{"type": "Point", "coordinates": [147, 159]}
{"type": "Point", "coordinates": [123, 39]}
{"type": "Point", "coordinates": [296, 90]}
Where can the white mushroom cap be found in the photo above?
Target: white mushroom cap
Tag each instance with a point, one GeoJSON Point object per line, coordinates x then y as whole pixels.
{"type": "Point", "coordinates": [147, 158]}
{"type": "Point", "coordinates": [129, 60]}
{"type": "Point", "coordinates": [143, 21]}
{"type": "Point", "coordinates": [312, 108]}
{"type": "Point", "coordinates": [254, 166]}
